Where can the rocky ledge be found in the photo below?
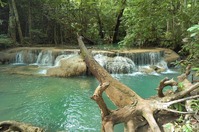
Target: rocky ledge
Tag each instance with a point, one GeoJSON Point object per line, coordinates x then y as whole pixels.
{"type": "Point", "coordinates": [68, 62]}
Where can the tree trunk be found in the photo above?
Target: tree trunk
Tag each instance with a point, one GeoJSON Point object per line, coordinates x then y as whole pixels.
{"type": "Point", "coordinates": [116, 29]}
{"type": "Point", "coordinates": [30, 21]}
{"type": "Point", "coordinates": [12, 23]}
{"type": "Point", "coordinates": [55, 34]}
{"type": "Point", "coordinates": [17, 21]}
{"type": "Point", "coordinates": [131, 107]}
{"type": "Point", "coordinates": [61, 34]}
{"type": "Point", "coordinates": [115, 88]}
{"type": "Point", "coordinates": [101, 33]}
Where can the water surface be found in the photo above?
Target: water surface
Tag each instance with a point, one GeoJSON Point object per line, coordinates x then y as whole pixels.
{"type": "Point", "coordinates": [62, 103]}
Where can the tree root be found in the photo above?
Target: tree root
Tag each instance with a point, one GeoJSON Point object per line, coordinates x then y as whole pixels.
{"type": "Point", "coordinates": [14, 126]}
{"type": "Point", "coordinates": [165, 82]}
{"type": "Point", "coordinates": [130, 105]}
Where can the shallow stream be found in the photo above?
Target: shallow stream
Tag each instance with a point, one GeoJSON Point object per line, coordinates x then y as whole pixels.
{"type": "Point", "coordinates": [63, 104]}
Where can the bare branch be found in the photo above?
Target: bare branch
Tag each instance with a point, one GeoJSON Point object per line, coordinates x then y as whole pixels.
{"type": "Point", "coordinates": [163, 83]}
{"type": "Point", "coordinates": [181, 100]}
{"type": "Point", "coordinates": [179, 112]}
{"type": "Point", "coordinates": [148, 115]}
{"type": "Point", "coordinates": [188, 70]}
{"type": "Point", "coordinates": [164, 106]}
{"type": "Point", "coordinates": [97, 96]}
{"type": "Point", "coordinates": [180, 94]}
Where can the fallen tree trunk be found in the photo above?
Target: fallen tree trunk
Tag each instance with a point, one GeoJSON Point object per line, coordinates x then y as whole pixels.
{"type": "Point", "coordinates": [131, 107]}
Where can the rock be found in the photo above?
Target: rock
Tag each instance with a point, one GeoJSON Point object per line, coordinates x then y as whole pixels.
{"type": "Point", "coordinates": [153, 68]}
{"type": "Point", "coordinates": [170, 56]}
{"type": "Point", "coordinates": [158, 69]}
{"type": "Point", "coordinates": [5, 58]}
{"type": "Point", "coordinates": [72, 66]}
{"type": "Point", "coordinates": [14, 126]}
{"type": "Point", "coordinates": [146, 70]}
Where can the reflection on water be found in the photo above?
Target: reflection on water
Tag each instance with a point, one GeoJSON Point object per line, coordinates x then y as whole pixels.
{"type": "Point", "coordinates": [62, 103]}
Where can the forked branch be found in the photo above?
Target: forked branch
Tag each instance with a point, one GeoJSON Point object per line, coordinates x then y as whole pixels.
{"type": "Point", "coordinates": [130, 105]}
{"type": "Point", "coordinates": [97, 96]}
{"type": "Point", "coordinates": [165, 82]}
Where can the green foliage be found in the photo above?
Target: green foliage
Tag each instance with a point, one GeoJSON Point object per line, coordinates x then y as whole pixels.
{"type": "Point", "coordinates": [2, 4]}
{"type": "Point", "coordinates": [195, 105]}
{"type": "Point", "coordinates": [178, 106]}
{"type": "Point", "coordinates": [180, 119]}
{"type": "Point", "coordinates": [180, 86]}
{"type": "Point", "coordinates": [187, 128]}
{"type": "Point", "coordinates": [5, 41]}
{"type": "Point", "coordinates": [144, 23]}
{"type": "Point", "coordinates": [191, 48]}
{"type": "Point", "coordinates": [38, 36]}
{"type": "Point", "coordinates": [178, 127]}
{"type": "Point", "coordinates": [158, 23]}
{"type": "Point", "coordinates": [196, 70]}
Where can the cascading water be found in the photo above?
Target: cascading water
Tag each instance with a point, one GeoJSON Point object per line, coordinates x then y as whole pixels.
{"type": "Point", "coordinates": [120, 65]}
{"type": "Point", "coordinates": [45, 58]}
{"type": "Point", "coordinates": [115, 63]}
{"type": "Point", "coordinates": [25, 57]}
{"type": "Point", "coordinates": [145, 58]}
{"type": "Point", "coordinates": [128, 63]}
{"type": "Point", "coordinates": [40, 57]}
{"type": "Point", "coordinates": [154, 58]}
{"type": "Point", "coordinates": [19, 58]}
{"type": "Point", "coordinates": [60, 57]}
{"type": "Point", "coordinates": [101, 59]}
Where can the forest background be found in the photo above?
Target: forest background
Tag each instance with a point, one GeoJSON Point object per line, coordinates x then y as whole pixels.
{"type": "Point", "coordinates": [122, 23]}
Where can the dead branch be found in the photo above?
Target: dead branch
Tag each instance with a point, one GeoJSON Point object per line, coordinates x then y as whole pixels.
{"type": "Point", "coordinates": [164, 106]}
{"type": "Point", "coordinates": [130, 105]}
{"type": "Point", "coordinates": [188, 70]}
{"type": "Point", "coordinates": [181, 100]}
{"type": "Point", "coordinates": [97, 96]}
{"type": "Point", "coordinates": [181, 93]}
{"type": "Point", "coordinates": [163, 83]}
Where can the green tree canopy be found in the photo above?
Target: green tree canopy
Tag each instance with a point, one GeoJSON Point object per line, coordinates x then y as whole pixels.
{"type": "Point", "coordinates": [135, 23]}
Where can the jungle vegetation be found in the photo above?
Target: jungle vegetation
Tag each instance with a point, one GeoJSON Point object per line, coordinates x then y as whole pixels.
{"type": "Point", "coordinates": [137, 23]}
{"type": "Point", "coordinates": [124, 23]}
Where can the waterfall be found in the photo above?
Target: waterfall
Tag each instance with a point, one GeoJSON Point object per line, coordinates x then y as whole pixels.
{"type": "Point", "coordinates": [116, 64]}
{"type": "Point", "coordinates": [145, 58]}
{"type": "Point", "coordinates": [113, 61]}
{"type": "Point", "coordinates": [25, 57]}
{"type": "Point", "coordinates": [154, 58]}
{"type": "Point", "coordinates": [60, 57]}
{"type": "Point", "coordinates": [101, 59]}
{"type": "Point", "coordinates": [45, 58]}
{"type": "Point", "coordinates": [19, 58]}
{"type": "Point", "coordinates": [120, 65]}
{"type": "Point", "coordinates": [132, 62]}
